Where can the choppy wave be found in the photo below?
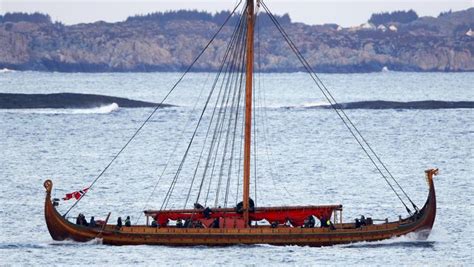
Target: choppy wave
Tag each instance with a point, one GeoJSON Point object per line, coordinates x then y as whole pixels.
{"type": "Point", "coordinates": [97, 110]}
{"type": "Point", "coordinates": [381, 104]}
{"type": "Point", "coordinates": [15, 246]}
{"type": "Point", "coordinates": [5, 70]}
{"type": "Point", "coordinates": [5, 246]}
{"type": "Point", "coordinates": [69, 242]}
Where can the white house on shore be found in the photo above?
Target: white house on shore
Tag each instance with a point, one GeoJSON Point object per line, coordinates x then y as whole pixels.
{"type": "Point", "coordinates": [470, 33]}
{"type": "Point", "coordinates": [381, 27]}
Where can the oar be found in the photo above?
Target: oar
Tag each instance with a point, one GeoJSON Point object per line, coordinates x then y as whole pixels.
{"type": "Point", "coordinates": [103, 226]}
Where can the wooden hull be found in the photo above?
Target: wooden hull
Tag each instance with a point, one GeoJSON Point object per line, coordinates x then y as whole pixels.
{"type": "Point", "coordinates": [420, 223]}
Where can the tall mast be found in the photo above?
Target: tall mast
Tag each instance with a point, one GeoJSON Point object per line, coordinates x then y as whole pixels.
{"type": "Point", "coordinates": [248, 109]}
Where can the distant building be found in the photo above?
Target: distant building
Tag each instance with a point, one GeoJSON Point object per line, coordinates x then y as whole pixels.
{"type": "Point", "coordinates": [381, 27]}
{"type": "Point", "coordinates": [367, 26]}
{"type": "Point", "coordinates": [470, 33]}
{"type": "Point", "coordinates": [393, 28]}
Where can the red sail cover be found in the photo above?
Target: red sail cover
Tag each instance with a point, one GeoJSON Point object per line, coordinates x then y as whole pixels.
{"type": "Point", "coordinates": [296, 215]}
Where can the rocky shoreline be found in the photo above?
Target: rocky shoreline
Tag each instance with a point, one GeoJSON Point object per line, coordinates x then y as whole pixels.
{"type": "Point", "coordinates": [169, 42]}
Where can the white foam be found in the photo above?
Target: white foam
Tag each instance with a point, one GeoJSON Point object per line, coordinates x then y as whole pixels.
{"type": "Point", "coordinates": [5, 70]}
{"type": "Point", "coordinates": [97, 110]}
{"type": "Point", "coordinates": [70, 242]}
{"type": "Point", "coordinates": [410, 238]}
{"type": "Point", "coordinates": [315, 104]}
{"type": "Point", "coordinates": [312, 104]}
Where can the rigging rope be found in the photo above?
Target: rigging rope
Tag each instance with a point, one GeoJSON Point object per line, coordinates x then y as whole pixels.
{"type": "Point", "coordinates": [218, 134]}
{"type": "Point", "coordinates": [178, 141]}
{"type": "Point", "coordinates": [170, 190]}
{"type": "Point", "coordinates": [205, 140]}
{"type": "Point", "coordinates": [338, 108]}
{"type": "Point", "coordinates": [239, 52]}
{"type": "Point", "coordinates": [156, 108]}
{"type": "Point", "coordinates": [264, 120]}
{"type": "Point", "coordinates": [239, 85]}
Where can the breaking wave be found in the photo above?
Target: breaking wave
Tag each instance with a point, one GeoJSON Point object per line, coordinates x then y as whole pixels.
{"type": "Point", "coordinates": [381, 104]}
{"type": "Point", "coordinates": [315, 104]}
{"type": "Point", "coordinates": [5, 70]}
{"type": "Point", "coordinates": [414, 239]}
{"type": "Point", "coordinates": [97, 110]}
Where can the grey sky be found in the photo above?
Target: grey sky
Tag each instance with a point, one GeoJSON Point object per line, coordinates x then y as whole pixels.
{"type": "Point", "coordinates": [342, 12]}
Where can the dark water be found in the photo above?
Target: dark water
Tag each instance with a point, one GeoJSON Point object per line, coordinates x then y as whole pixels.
{"type": "Point", "coordinates": [309, 158]}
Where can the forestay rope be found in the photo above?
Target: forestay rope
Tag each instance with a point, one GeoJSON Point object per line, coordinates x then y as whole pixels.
{"type": "Point", "coordinates": [157, 107]}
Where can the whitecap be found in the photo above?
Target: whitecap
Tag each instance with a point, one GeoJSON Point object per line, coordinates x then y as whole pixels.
{"type": "Point", "coordinates": [315, 104]}
{"type": "Point", "coordinates": [96, 110]}
{"type": "Point", "coordinates": [312, 104]}
{"type": "Point", "coordinates": [5, 70]}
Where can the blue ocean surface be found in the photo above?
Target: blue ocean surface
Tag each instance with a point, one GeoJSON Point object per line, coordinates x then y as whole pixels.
{"type": "Point", "coordinates": [304, 156]}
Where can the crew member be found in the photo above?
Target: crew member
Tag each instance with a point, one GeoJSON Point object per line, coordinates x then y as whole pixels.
{"type": "Point", "coordinates": [119, 223]}
{"type": "Point", "coordinates": [92, 222]}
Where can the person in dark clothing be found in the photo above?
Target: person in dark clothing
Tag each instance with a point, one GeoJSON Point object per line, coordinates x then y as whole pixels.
{"type": "Point", "coordinates": [92, 222]}
{"type": "Point", "coordinates": [81, 220]}
{"type": "Point", "coordinates": [119, 223]}
{"type": "Point", "coordinates": [251, 205]}
{"type": "Point", "coordinates": [207, 213]}
{"type": "Point", "coordinates": [154, 224]}
{"type": "Point", "coordinates": [323, 222]}
{"type": "Point", "coordinates": [306, 223]}
{"type": "Point", "coordinates": [357, 223]}
{"type": "Point", "coordinates": [363, 222]}
{"type": "Point", "coordinates": [369, 221]}
{"type": "Point", "coordinates": [215, 223]}
{"type": "Point", "coordinates": [187, 223]}
{"type": "Point", "coordinates": [326, 223]}
{"type": "Point", "coordinates": [128, 222]}
{"type": "Point", "coordinates": [310, 222]}
{"type": "Point", "coordinates": [198, 206]}
{"type": "Point", "coordinates": [179, 223]}
{"type": "Point", "coordinates": [84, 221]}
{"type": "Point", "coordinates": [240, 206]}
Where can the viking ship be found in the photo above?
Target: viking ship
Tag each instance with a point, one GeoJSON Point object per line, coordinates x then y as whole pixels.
{"type": "Point", "coordinates": [242, 223]}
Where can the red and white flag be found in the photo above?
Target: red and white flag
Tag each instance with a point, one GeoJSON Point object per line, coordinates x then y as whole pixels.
{"type": "Point", "coordinates": [77, 195]}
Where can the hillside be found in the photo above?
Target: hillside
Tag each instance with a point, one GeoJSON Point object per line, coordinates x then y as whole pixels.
{"type": "Point", "coordinates": [170, 41]}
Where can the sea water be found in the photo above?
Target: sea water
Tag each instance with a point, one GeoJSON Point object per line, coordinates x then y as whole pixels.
{"type": "Point", "coordinates": [306, 157]}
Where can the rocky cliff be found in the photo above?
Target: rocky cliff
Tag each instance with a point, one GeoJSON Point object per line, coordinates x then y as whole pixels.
{"type": "Point", "coordinates": [170, 41]}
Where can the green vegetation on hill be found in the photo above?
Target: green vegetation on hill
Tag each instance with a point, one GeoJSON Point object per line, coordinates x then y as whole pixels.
{"type": "Point", "coordinates": [396, 16]}
{"type": "Point", "coordinates": [19, 16]}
